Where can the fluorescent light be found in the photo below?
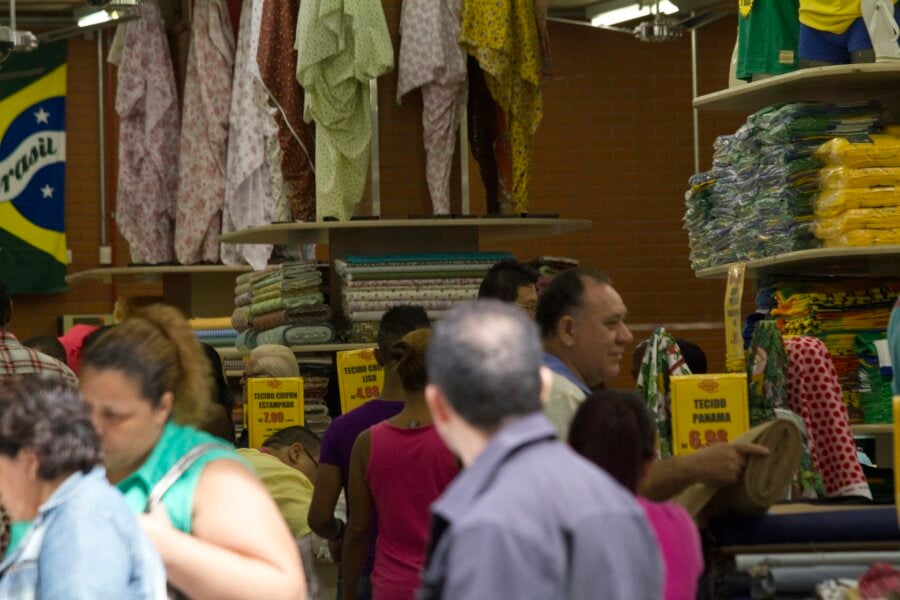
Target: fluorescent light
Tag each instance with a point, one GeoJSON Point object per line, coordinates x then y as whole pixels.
{"type": "Point", "coordinates": [94, 18]}
{"type": "Point", "coordinates": [632, 12]}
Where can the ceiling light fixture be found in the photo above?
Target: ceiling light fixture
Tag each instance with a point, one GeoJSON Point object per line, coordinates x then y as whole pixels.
{"type": "Point", "coordinates": [632, 12]}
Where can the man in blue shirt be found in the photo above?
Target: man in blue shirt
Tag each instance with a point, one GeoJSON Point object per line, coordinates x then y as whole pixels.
{"type": "Point", "coordinates": [582, 322]}
{"type": "Point", "coordinates": [527, 517]}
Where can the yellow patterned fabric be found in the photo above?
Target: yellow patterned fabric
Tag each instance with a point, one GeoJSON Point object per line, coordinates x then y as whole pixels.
{"type": "Point", "coordinates": [502, 35]}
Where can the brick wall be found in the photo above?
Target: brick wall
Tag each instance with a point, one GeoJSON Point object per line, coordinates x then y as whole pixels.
{"type": "Point", "coordinates": [615, 146]}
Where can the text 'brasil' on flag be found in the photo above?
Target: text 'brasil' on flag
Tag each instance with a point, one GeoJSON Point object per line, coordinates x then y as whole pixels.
{"type": "Point", "coordinates": [32, 170]}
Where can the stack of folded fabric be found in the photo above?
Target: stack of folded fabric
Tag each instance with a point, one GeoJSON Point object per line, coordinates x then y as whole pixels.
{"type": "Point", "coordinates": [372, 284]}
{"type": "Point", "coordinates": [282, 304]}
{"type": "Point", "coordinates": [214, 331]}
{"type": "Point", "coordinates": [549, 267]}
{"type": "Point", "coordinates": [848, 316]}
{"type": "Point", "coordinates": [757, 200]}
{"type": "Point", "coordinates": [316, 370]}
{"type": "Point", "coordinates": [859, 201]}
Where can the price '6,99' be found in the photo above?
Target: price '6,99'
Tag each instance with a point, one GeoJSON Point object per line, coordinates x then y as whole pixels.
{"type": "Point", "coordinates": [707, 438]}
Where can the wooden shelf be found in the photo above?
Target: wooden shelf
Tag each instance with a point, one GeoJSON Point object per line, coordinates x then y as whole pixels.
{"type": "Point", "coordinates": [873, 429]}
{"type": "Point", "coordinates": [853, 261]}
{"type": "Point", "coordinates": [839, 83]}
{"type": "Point", "coordinates": [488, 229]}
{"type": "Point", "coordinates": [152, 272]}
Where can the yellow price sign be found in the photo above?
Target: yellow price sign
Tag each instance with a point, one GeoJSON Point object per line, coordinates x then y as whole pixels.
{"type": "Point", "coordinates": [896, 406]}
{"type": "Point", "coordinates": [707, 409]}
{"type": "Point", "coordinates": [273, 404]}
{"type": "Point", "coordinates": [360, 377]}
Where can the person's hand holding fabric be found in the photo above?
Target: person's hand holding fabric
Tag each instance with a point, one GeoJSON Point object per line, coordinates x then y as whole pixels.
{"type": "Point", "coordinates": [722, 464]}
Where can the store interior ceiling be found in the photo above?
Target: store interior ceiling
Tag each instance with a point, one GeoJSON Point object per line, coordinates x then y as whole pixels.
{"type": "Point", "coordinates": [568, 10]}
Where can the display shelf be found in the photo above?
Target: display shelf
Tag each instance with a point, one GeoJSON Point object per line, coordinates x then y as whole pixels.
{"type": "Point", "coordinates": [868, 261]}
{"type": "Point", "coordinates": [873, 429]}
{"type": "Point", "coordinates": [392, 232]}
{"type": "Point", "coordinates": [152, 272]}
{"type": "Point", "coordinates": [839, 83]}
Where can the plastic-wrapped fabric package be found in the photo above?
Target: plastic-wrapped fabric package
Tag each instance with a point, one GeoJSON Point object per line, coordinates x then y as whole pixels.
{"type": "Point", "coordinates": [877, 150]}
{"type": "Point", "coordinates": [843, 177]}
{"type": "Point", "coordinates": [831, 203]}
{"type": "Point", "coordinates": [758, 198]}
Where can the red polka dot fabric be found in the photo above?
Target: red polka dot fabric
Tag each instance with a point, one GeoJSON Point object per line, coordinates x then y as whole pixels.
{"type": "Point", "coordinates": [815, 394]}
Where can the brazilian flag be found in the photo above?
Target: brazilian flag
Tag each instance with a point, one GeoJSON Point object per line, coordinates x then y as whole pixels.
{"type": "Point", "coordinates": [33, 170]}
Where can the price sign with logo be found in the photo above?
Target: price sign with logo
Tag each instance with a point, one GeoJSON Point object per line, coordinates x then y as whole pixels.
{"type": "Point", "coordinates": [273, 404]}
{"type": "Point", "coordinates": [360, 377]}
{"type": "Point", "coordinates": [707, 409]}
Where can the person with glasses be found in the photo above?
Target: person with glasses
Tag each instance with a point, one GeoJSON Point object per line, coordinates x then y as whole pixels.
{"type": "Point", "coordinates": [512, 282]}
{"type": "Point", "coordinates": [287, 464]}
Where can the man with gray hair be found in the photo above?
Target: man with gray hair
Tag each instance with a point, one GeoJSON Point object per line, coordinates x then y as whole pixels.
{"type": "Point", "coordinates": [527, 518]}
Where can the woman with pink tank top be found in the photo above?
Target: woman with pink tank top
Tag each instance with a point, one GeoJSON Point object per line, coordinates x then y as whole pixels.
{"type": "Point", "coordinates": [397, 468]}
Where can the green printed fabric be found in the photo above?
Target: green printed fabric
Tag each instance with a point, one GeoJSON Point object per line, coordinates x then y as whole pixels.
{"type": "Point", "coordinates": [767, 370]}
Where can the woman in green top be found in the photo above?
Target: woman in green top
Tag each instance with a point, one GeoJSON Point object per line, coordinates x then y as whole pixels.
{"type": "Point", "coordinates": [218, 531]}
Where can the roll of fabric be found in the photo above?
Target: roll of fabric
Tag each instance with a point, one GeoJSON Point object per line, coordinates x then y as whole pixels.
{"type": "Point", "coordinates": [242, 288]}
{"type": "Point", "coordinates": [260, 308]}
{"type": "Point", "coordinates": [246, 340]}
{"type": "Point", "coordinates": [243, 278]}
{"type": "Point", "coordinates": [814, 393]}
{"type": "Point", "coordinates": [302, 315]}
{"type": "Point", "coordinates": [205, 334]}
{"type": "Point", "coordinates": [287, 286]}
{"type": "Point", "coordinates": [240, 318]}
{"type": "Point", "coordinates": [210, 323]}
{"type": "Point", "coordinates": [765, 481]}
{"type": "Point", "coordinates": [767, 367]}
{"type": "Point", "coordinates": [244, 299]}
{"type": "Point", "coordinates": [297, 335]}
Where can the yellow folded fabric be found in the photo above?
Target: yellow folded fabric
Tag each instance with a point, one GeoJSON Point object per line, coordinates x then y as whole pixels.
{"type": "Point", "coordinates": [830, 203]}
{"type": "Point", "coordinates": [765, 481]}
{"type": "Point", "coordinates": [857, 218]}
{"type": "Point", "coordinates": [843, 177]}
{"type": "Point", "coordinates": [864, 237]}
{"type": "Point", "coordinates": [879, 150]}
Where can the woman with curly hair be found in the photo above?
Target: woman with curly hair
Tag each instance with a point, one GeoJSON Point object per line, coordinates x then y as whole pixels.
{"type": "Point", "coordinates": [50, 474]}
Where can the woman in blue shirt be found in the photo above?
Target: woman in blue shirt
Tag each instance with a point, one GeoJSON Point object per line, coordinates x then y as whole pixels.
{"type": "Point", "coordinates": [50, 474]}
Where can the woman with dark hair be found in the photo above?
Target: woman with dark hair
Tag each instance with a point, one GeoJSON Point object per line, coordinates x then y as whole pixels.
{"type": "Point", "coordinates": [397, 469]}
{"type": "Point", "coordinates": [50, 473]}
{"type": "Point", "coordinates": [614, 430]}
{"type": "Point", "coordinates": [149, 385]}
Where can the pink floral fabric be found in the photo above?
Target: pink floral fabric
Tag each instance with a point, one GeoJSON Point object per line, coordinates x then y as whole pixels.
{"type": "Point", "coordinates": [249, 197]}
{"type": "Point", "coordinates": [431, 58]}
{"type": "Point", "coordinates": [147, 105]}
{"type": "Point", "coordinates": [204, 134]}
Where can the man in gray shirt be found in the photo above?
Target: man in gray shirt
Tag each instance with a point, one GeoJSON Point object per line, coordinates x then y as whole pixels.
{"type": "Point", "coordinates": [527, 517]}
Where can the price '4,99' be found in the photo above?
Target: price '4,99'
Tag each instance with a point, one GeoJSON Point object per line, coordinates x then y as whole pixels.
{"type": "Point", "coordinates": [368, 392]}
{"type": "Point", "coordinates": [708, 438]}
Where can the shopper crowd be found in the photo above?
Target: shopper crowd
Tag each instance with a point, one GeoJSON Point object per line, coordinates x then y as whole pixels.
{"type": "Point", "coordinates": [494, 464]}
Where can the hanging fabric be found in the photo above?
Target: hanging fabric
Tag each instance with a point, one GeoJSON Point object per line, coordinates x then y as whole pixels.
{"type": "Point", "coordinates": [431, 59]}
{"type": "Point", "coordinates": [767, 367]}
{"type": "Point", "coordinates": [341, 46]}
{"type": "Point", "coordinates": [248, 194]}
{"type": "Point", "coordinates": [204, 134]}
{"type": "Point", "coordinates": [481, 113]}
{"type": "Point", "coordinates": [147, 105]}
{"type": "Point", "coordinates": [277, 62]}
{"type": "Point", "coordinates": [661, 360]}
{"type": "Point", "coordinates": [815, 394]}
{"type": "Point", "coordinates": [502, 35]}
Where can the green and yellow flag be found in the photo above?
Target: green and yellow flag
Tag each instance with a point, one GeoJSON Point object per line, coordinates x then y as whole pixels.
{"type": "Point", "coordinates": [33, 170]}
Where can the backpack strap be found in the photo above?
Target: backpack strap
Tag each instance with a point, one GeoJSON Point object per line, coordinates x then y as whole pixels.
{"type": "Point", "coordinates": [174, 474]}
